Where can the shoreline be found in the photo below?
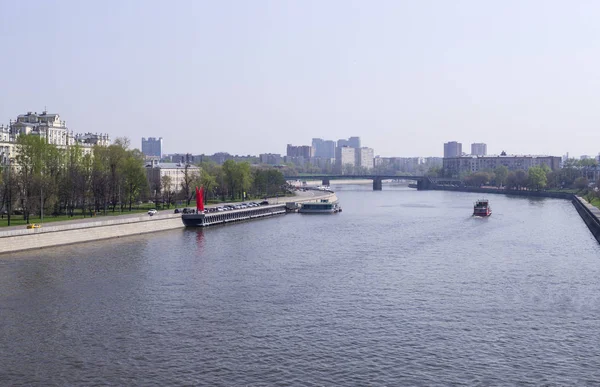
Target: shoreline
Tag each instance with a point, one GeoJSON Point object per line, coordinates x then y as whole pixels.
{"type": "Point", "coordinates": [58, 233]}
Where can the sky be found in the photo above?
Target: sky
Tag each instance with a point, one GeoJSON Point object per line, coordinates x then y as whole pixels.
{"type": "Point", "coordinates": [250, 76]}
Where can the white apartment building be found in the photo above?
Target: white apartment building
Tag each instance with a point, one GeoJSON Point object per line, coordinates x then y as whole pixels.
{"type": "Point", "coordinates": [7, 145]}
{"type": "Point", "coordinates": [364, 157]}
{"type": "Point", "coordinates": [51, 128]}
{"type": "Point", "coordinates": [345, 155]}
{"type": "Point", "coordinates": [176, 171]}
{"type": "Point", "coordinates": [457, 166]}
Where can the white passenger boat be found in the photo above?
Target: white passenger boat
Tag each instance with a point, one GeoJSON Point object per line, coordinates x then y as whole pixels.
{"type": "Point", "coordinates": [321, 207]}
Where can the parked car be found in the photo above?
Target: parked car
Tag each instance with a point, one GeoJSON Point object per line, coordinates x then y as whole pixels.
{"type": "Point", "coordinates": [264, 203]}
{"type": "Point", "coordinates": [152, 212]}
{"type": "Point", "coordinates": [177, 211]}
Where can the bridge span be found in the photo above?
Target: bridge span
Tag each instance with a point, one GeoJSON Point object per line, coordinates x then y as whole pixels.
{"type": "Point", "coordinates": [423, 182]}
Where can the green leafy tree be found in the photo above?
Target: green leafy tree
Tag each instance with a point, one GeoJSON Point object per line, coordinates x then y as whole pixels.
{"type": "Point", "coordinates": [500, 175]}
{"type": "Point", "coordinates": [536, 178]}
{"type": "Point", "coordinates": [134, 177]}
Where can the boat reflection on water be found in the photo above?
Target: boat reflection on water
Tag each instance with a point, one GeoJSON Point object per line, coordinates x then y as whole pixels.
{"type": "Point", "coordinates": [200, 240]}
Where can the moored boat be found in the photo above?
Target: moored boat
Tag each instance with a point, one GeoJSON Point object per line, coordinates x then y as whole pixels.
{"type": "Point", "coordinates": [321, 207]}
{"type": "Point", "coordinates": [482, 208]}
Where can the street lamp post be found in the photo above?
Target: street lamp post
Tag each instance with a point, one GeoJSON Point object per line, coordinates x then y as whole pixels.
{"type": "Point", "coordinates": [9, 190]}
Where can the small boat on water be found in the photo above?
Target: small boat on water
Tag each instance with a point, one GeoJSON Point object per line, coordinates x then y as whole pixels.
{"type": "Point", "coordinates": [482, 208]}
{"type": "Point", "coordinates": [321, 207]}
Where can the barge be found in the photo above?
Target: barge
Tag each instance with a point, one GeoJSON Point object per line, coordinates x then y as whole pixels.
{"type": "Point", "coordinates": [200, 218]}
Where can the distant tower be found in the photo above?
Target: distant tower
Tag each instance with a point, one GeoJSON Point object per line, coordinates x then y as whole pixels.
{"type": "Point", "coordinates": [452, 149]}
{"type": "Point", "coordinates": [152, 146]}
{"type": "Point", "coordinates": [479, 149]}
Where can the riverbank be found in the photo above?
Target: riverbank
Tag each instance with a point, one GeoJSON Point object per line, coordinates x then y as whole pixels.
{"type": "Point", "coordinates": [589, 214]}
{"type": "Point", "coordinates": [92, 229]}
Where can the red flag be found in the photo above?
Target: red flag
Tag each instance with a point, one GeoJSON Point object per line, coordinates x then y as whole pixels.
{"type": "Point", "coordinates": [201, 206]}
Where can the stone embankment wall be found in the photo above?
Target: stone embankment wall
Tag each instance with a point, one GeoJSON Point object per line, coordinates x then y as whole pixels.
{"type": "Point", "coordinates": [589, 214]}
{"type": "Point", "coordinates": [56, 234]}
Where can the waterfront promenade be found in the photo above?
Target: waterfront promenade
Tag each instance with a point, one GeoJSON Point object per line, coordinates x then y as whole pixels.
{"type": "Point", "coordinates": [17, 238]}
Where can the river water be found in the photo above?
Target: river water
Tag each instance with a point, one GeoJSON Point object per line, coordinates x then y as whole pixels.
{"type": "Point", "coordinates": [401, 288]}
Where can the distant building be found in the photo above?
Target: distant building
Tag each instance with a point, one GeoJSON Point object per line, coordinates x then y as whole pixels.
{"type": "Point", "coordinates": [458, 166]}
{"type": "Point", "coordinates": [271, 159]}
{"type": "Point", "coordinates": [323, 148]}
{"type": "Point", "coordinates": [354, 142]}
{"type": "Point", "coordinates": [51, 128]}
{"type": "Point", "coordinates": [7, 145]}
{"type": "Point", "coordinates": [152, 146]}
{"type": "Point", "coordinates": [346, 156]}
{"type": "Point", "coordinates": [478, 149]}
{"type": "Point", "coordinates": [92, 139]}
{"type": "Point", "coordinates": [305, 151]}
{"type": "Point", "coordinates": [365, 157]}
{"type": "Point", "coordinates": [452, 149]}
{"type": "Point", "coordinates": [176, 171]}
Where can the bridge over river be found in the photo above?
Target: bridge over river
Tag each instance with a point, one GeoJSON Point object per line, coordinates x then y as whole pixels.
{"type": "Point", "coordinates": [423, 182]}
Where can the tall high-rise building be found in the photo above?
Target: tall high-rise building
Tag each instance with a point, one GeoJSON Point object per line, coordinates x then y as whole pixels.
{"type": "Point", "coordinates": [478, 149]}
{"type": "Point", "coordinates": [152, 146]}
{"type": "Point", "coordinates": [317, 144]}
{"type": "Point", "coordinates": [305, 151]}
{"type": "Point", "coordinates": [452, 149]}
{"type": "Point", "coordinates": [345, 156]}
{"type": "Point", "coordinates": [323, 148]}
{"type": "Point", "coordinates": [354, 142]}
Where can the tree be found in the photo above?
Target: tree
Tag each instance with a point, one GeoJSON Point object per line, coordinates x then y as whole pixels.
{"type": "Point", "coordinates": [581, 183]}
{"type": "Point", "coordinates": [189, 180]}
{"type": "Point", "coordinates": [237, 177]}
{"type": "Point", "coordinates": [477, 179]}
{"type": "Point", "coordinates": [536, 178]}
{"type": "Point", "coordinates": [521, 178]}
{"type": "Point", "coordinates": [31, 150]}
{"type": "Point", "coordinates": [134, 177]}
{"type": "Point", "coordinates": [166, 184]}
{"type": "Point", "coordinates": [500, 175]}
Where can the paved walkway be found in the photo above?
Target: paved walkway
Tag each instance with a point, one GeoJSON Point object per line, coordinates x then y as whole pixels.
{"type": "Point", "coordinates": [300, 196]}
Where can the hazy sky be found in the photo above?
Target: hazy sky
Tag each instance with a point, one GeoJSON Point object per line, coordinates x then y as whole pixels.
{"type": "Point", "coordinates": [250, 76]}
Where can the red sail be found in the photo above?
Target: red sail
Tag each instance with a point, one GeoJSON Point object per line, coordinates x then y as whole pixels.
{"type": "Point", "coordinates": [201, 205]}
{"type": "Point", "coordinates": [198, 200]}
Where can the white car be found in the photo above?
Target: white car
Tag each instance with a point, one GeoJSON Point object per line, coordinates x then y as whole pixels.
{"type": "Point", "coordinates": [152, 212]}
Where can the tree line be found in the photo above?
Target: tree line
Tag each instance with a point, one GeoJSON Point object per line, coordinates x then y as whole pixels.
{"type": "Point", "coordinates": [571, 176]}
{"type": "Point", "coordinates": [44, 179]}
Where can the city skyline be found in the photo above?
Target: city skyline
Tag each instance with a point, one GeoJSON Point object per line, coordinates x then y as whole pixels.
{"type": "Point", "coordinates": [248, 78]}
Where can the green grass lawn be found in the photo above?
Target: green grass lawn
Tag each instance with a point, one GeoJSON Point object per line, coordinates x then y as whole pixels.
{"type": "Point", "coordinates": [17, 220]}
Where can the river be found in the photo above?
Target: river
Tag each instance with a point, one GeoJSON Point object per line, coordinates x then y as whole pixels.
{"type": "Point", "coordinates": [401, 288]}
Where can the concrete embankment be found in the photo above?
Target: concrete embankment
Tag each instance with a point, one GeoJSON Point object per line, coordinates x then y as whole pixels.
{"type": "Point", "coordinates": [589, 213]}
{"type": "Point", "coordinates": [56, 234]}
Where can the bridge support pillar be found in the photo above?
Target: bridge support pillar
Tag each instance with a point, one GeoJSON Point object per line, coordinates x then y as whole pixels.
{"type": "Point", "coordinates": [325, 182]}
{"type": "Point", "coordinates": [377, 184]}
